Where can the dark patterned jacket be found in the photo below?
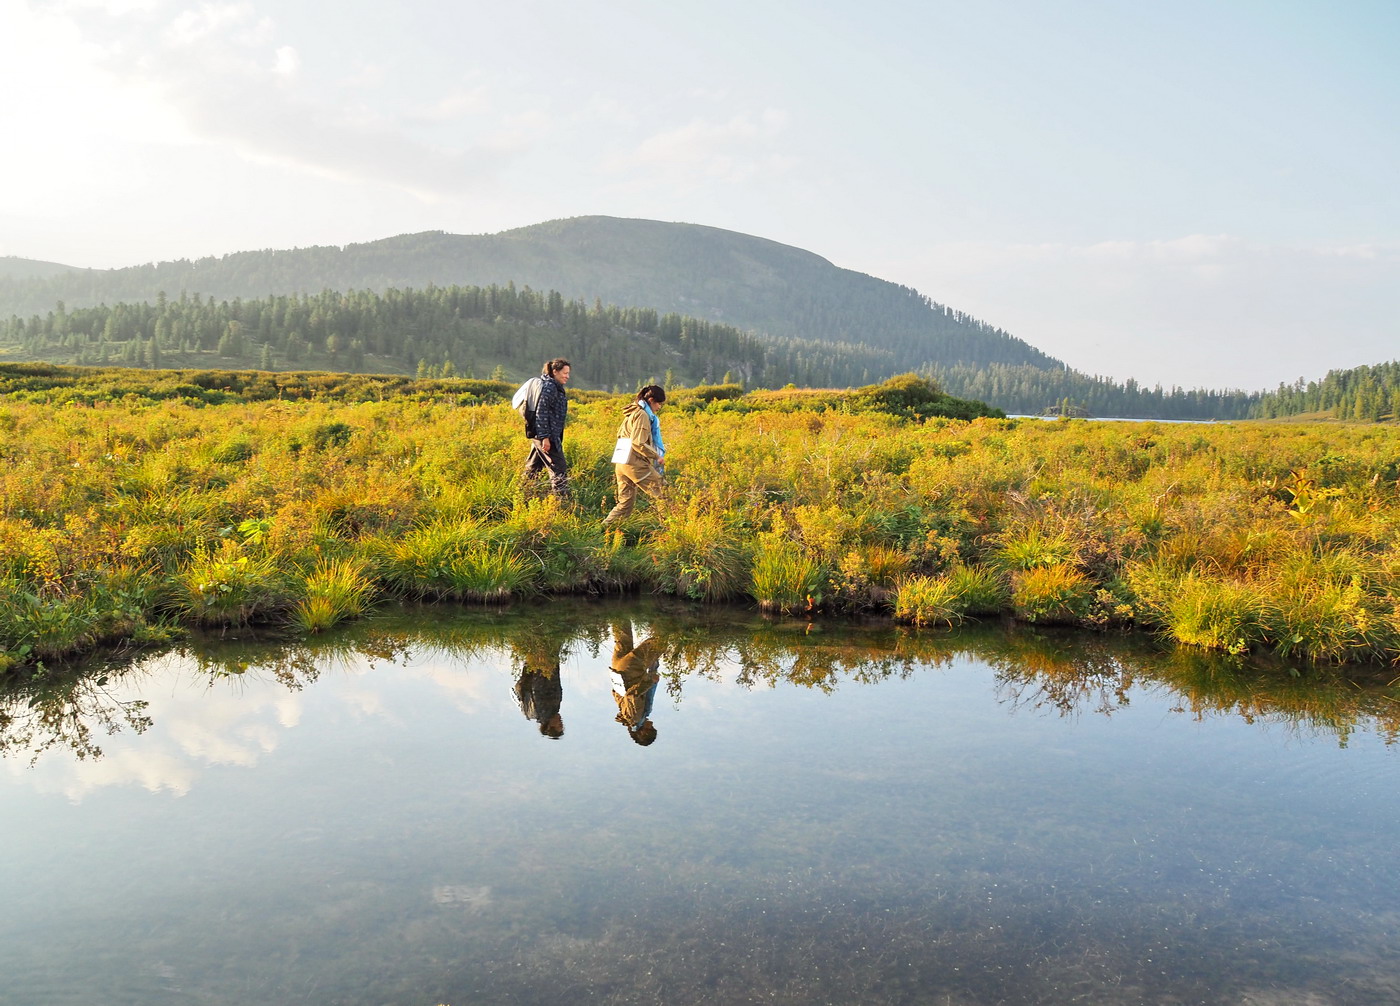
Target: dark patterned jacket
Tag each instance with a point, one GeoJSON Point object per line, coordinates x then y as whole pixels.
{"type": "Point", "coordinates": [550, 411]}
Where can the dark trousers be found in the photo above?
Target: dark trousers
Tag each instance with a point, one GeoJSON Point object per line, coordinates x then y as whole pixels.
{"type": "Point", "coordinates": [552, 462]}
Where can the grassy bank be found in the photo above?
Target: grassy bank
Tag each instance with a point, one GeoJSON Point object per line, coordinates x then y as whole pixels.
{"type": "Point", "coordinates": [127, 519]}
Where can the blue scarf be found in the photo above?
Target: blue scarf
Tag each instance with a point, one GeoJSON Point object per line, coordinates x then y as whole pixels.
{"type": "Point", "coordinates": [655, 429]}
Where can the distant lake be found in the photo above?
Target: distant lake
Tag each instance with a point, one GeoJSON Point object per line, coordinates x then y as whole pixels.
{"type": "Point", "coordinates": [837, 812]}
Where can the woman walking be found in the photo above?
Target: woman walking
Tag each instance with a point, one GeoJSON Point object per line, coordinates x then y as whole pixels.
{"type": "Point", "coordinates": [544, 426]}
{"type": "Point", "coordinates": [644, 464]}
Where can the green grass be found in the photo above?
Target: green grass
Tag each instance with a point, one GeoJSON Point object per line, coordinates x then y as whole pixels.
{"type": "Point", "coordinates": [120, 515]}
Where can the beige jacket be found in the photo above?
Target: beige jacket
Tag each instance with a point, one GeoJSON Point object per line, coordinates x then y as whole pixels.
{"type": "Point", "coordinates": [636, 424]}
{"type": "Point", "coordinates": [634, 673]}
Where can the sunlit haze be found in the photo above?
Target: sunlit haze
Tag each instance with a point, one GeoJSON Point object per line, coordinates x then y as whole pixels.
{"type": "Point", "coordinates": [1191, 193]}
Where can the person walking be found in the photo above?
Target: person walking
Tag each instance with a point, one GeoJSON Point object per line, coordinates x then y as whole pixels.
{"type": "Point", "coordinates": [644, 464]}
{"type": "Point", "coordinates": [545, 429]}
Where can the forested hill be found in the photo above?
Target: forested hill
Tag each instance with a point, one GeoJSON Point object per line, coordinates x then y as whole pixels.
{"type": "Point", "coordinates": [717, 275]}
{"type": "Point", "coordinates": [1363, 394]}
{"type": "Point", "coordinates": [441, 331]}
{"type": "Point", "coordinates": [12, 267]}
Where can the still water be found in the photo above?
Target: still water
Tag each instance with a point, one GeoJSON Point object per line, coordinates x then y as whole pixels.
{"type": "Point", "coordinates": [831, 813]}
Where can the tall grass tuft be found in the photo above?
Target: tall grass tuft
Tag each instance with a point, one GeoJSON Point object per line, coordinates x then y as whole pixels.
{"type": "Point", "coordinates": [334, 591]}
{"type": "Point", "coordinates": [489, 573]}
{"type": "Point", "coordinates": [1219, 614]}
{"type": "Point", "coordinates": [1327, 620]}
{"type": "Point", "coordinates": [420, 562]}
{"type": "Point", "coordinates": [786, 579]}
{"type": "Point", "coordinates": [1051, 595]}
{"type": "Point", "coordinates": [700, 554]}
{"type": "Point", "coordinates": [981, 591]}
{"type": "Point", "coordinates": [561, 551]}
{"type": "Point", "coordinates": [32, 627]}
{"type": "Point", "coordinates": [1032, 548]}
{"type": "Point", "coordinates": [929, 600]}
{"type": "Point", "coordinates": [229, 586]}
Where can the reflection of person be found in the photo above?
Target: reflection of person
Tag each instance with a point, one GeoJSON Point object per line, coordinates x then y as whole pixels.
{"type": "Point", "coordinates": [546, 429]}
{"type": "Point", "coordinates": [540, 691]}
{"type": "Point", "coordinates": [635, 677]}
{"type": "Point", "coordinates": [645, 468]}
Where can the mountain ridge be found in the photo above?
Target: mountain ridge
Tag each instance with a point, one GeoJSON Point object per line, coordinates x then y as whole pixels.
{"type": "Point", "coordinates": [707, 272]}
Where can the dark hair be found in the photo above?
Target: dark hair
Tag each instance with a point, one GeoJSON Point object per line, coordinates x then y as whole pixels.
{"type": "Point", "coordinates": [644, 734]}
{"type": "Point", "coordinates": [655, 392]}
{"type": "Point", "coordinates": [551, 366]}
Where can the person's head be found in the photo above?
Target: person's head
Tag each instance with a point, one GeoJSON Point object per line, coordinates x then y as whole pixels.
{"type": "Point", "coordinates": [553, 728]}
{"type": "Point", "coordinates": [653, 395]}
{"type": "Point", "coordinates": [558, 369]}
{"type": "Point", "coordinates": [644, 734]}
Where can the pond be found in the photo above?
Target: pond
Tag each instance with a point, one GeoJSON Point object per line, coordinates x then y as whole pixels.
{"type": "Point", "coordinates": [827, 813]}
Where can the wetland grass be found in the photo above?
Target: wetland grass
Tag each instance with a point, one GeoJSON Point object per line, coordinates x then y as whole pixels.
{"type": "Point", "coordinates": [1243, 537]}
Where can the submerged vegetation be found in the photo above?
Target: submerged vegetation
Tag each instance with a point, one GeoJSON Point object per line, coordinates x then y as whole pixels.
{"type": "Point", "coordinates": [128, 517]}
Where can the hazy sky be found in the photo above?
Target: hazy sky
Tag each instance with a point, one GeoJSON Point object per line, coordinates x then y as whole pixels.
{"type": "Point", "coordinates": [1199, 192]}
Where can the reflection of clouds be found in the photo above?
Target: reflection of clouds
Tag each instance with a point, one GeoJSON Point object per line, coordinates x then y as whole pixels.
{"type": "Point", "coordinates": [195, 724]}
{"type": "Point", "coordinates": [467, 687]}
{"type": "Point", "coordinates": [154, 770]}
{"type": "Point", "coordinates": [200, 721]}
{"type": "Point", "coordinates": [364, 701]}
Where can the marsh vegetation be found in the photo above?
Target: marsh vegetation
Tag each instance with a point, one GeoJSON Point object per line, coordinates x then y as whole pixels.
{"type": "Point", "coordinates": [128, 519]}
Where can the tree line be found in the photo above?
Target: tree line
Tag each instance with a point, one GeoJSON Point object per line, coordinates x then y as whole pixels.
{"type": "Point", "coordinates": [435, 332]}
{"type": "Point", "coordinates": [1027, 390]}
{"type": "Point", "coordinates": [1363, 394]}
{"type": "Point", "coordinates": [505, 331]}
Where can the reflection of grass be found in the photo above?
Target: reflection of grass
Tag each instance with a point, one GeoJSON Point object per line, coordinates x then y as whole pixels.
{"type": "Point", "coordinates": [1069, 672]}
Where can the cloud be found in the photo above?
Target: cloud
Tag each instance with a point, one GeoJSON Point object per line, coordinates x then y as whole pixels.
{"type": "Point", "coordinates": [222, 75]}
{"type": "Point", "coordinates": [703, 152]}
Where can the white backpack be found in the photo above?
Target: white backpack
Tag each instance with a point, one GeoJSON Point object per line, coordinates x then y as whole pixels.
{"type": "Point", "coordinates": [526, 397]}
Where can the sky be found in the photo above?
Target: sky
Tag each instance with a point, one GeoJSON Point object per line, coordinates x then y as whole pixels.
{"type": "Point", "coordinates": [1203, 193]}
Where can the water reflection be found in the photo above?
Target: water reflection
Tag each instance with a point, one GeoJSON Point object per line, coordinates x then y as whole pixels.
{"type": "Point", "coordinates": [635, 680]}
{"type": "Point", "coordinates": [1071, 674]}
{"type": "Point", "coordinates": [539, 688]}
{"type": "Point", "coordinates": [845, 812]}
